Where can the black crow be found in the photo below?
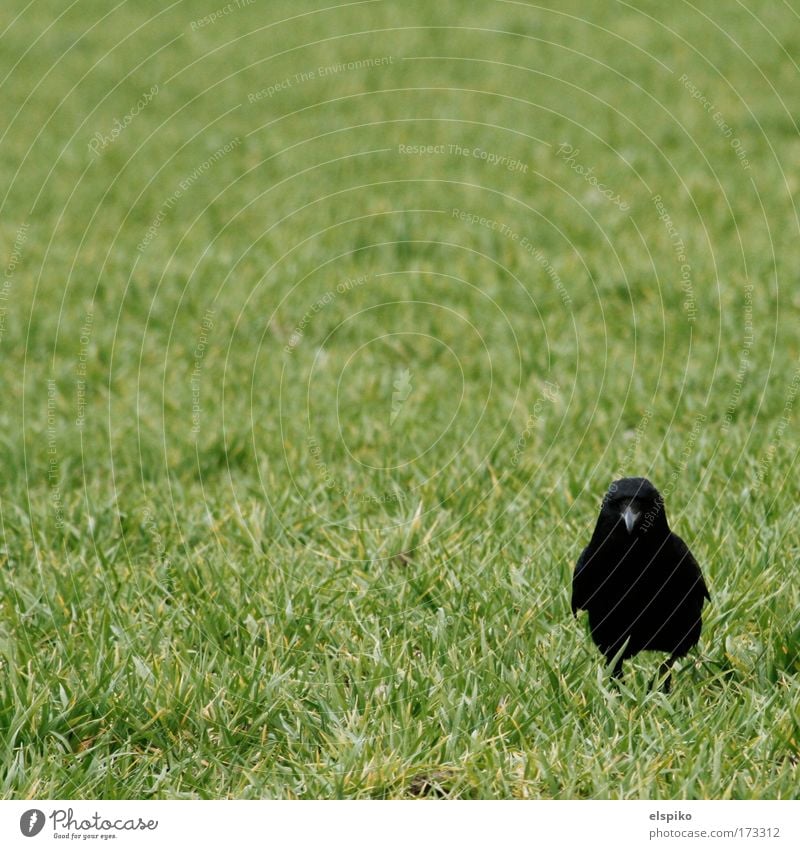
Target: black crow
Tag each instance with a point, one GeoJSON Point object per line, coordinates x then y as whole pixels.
{"type": "Point", "coordinates": [638, 581]}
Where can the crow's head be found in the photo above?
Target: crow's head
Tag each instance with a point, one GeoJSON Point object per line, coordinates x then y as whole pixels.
{"type": "Point", "coordinates": [633, 506]}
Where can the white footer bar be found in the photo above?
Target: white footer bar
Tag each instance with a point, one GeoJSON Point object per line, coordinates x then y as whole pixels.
{"type": "Point", "coordinates": [403, 824]}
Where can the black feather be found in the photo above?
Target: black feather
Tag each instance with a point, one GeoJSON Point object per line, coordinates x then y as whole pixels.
{"type": "Point", "coordinates": [641, 586]}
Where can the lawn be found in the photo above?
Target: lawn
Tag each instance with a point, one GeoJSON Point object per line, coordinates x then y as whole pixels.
{"type": "Point", "coordinates": [325, 327]}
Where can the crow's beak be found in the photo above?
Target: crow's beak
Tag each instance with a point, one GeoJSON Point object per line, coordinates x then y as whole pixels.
{"type": "Point", "coordinates": [631, 517]}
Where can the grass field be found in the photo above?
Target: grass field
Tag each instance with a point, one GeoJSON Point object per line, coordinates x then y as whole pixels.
{"type": "Point", "coordinates": [325, 327]}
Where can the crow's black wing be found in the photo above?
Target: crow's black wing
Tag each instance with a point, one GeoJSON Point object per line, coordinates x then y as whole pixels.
{"type": "Point", "coordinates": [581, 588]}
{"type": "Point", "coordinates": [690, 568]}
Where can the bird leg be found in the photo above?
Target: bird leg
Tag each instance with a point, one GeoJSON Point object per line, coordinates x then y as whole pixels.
{"type": "Point", "coordinates": [665, 670]}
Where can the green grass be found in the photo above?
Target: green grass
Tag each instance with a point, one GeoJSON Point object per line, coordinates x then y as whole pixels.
{"type": "Point", "coordinates": [232, 563]}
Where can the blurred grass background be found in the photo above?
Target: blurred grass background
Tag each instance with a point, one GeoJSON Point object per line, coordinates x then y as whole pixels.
{"type": "Point", "coordinates": [226, 570]}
